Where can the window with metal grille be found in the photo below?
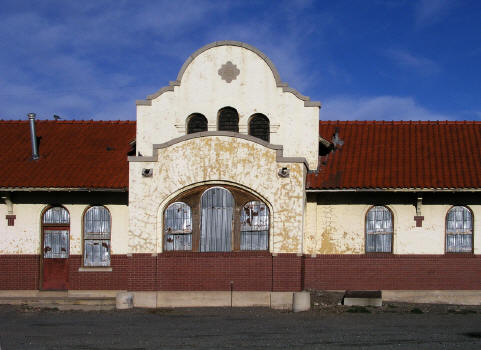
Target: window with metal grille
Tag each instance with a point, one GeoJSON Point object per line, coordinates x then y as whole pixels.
{"type": "Point", "coordinates": [259, 127]}
{"type": "Point", "coordinates": [254, 226]}
{"type": "Point", "coordinates": [97, 229]}
{"type": "Point", "coordinates": [217, 207]}
{"type": "Point", "coordinates": [459, 230]}
{"type": "Point", "coordinates": [379, 230]}
{"type": "Point", "coordinates": [178, 227]}
{"type": "Point", "coordinates": [228, 119]}
{"type": "Point", "coordinates": [196, 123]}
{"type": "Point", "coordinates": [56, 222]}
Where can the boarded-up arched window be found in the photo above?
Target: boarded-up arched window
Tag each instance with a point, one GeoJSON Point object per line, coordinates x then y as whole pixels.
{"type": "Point", "coordinates": [217, 207]}
{"type": "Point", "coordinates": [254, 221]}
{"type": "Point", "coordinates": [379, 230]}
{"type": "Point", "coordinates": [97, 228]}
{"type": "Point", "coordinates": [178, 227]}
{"type": "Point", "coordinates": [259, 127]}
{"type": "Point", "coordinates": [228, 119]}
{"type": "Point", "coordinates": [459, 230]}
{"type": "Point", "coordinates": [196, 123]}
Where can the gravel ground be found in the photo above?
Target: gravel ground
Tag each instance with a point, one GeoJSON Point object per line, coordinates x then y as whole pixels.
{"type": "Point", "coordinates": [327, 326]}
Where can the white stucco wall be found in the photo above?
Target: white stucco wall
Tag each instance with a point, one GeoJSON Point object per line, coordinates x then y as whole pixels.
{"type": "Point", "coordinates": [25, 236]}
{"type": "Point", "coordinates": [340, 229]}
{"type": "Point", "coordinates": [202, 90]}
{"type": "Point", "coordinates": [216, 160]}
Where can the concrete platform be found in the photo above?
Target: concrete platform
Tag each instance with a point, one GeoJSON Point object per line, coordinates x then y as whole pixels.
{"type": "Point", "coordinates": [171, 299]}
{"type": "Point", "coordinates": [454, 297]}
{"type": "Point", "coordinates": [61, 300]}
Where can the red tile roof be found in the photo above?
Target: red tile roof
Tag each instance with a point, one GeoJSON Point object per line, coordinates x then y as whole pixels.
{"type": "Point", "coordinates": [411, 155]}
{"type": "Point", "coordinates": [437, 155]}
{"type": "Point", "coordinates": [73, 154]}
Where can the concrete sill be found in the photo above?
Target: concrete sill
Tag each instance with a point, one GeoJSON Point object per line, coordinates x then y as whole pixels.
{"type": "Point", "coordinates": [95, 269]}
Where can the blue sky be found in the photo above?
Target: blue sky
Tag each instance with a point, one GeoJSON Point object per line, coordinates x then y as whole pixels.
{"type": "Point", "coordinates": [365, 60]}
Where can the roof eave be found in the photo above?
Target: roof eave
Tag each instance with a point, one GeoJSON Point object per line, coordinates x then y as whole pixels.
{"type": "Point", "coordinates": [314, 190]}
{"type": "Point", "coordinates": [61, 189]}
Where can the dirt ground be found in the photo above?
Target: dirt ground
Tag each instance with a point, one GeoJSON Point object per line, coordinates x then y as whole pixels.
{"type": "Point", "coordinates": [330, 302]}
{"type": "Point", "coordinates": [327, 326]}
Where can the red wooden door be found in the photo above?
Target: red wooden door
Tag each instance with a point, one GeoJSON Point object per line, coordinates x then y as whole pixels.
{"type": "Point", "coordinates": [55, 249]}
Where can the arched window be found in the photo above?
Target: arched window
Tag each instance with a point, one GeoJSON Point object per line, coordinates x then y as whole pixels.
{"type": "Point", "coordinates": [459, 230]}
{"type": "Point", "coordinates": [379, 230]}
{"type": "Point", "coordinates": [178, 227]}
{"type": "Point", "coordinates": [196, 123]}
{"type": "Point", "coordinates": [97, 228]}
{"type": "Point", "coordinates": [259, 127]}
{"type": "Point", "coordinates": [254, 221]}
{"type": "Point", "coordinates": [228, 119]}
{"type": "Point", "coordinates": [217, 206]}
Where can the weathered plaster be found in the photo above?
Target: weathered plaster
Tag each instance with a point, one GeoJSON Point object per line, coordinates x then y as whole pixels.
{"type": "Point", "coordinates": [25, 236]}
{"type": "Point", "coordinates": [216, 159]}
{"type": "Point", "coordinates": [340, 229]}
{"type": "Point", "coordinates": [254, 90]}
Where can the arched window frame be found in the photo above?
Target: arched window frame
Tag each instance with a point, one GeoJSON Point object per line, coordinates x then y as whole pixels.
{"type": "Point", "coordinates": [176, 238]}
{"type": "Point", "coordinates": [199, 118]}
{"type": "Point", "coordinates": [254, 226]}
{"type": "Point", "coordinates": [380, 233]}
{"type": "Point", "coordinates": [227, 125]}
{"type": "Point", "coordinates": [253, 130]}
{"type": "Point", "coordinates": [192, 198]}
{"type": "Point", "coordinates": [467, 232]}
{"type": "Point", "coordinates": [63, 241]}
{"type": "Point", "coordinates": [92, 240]}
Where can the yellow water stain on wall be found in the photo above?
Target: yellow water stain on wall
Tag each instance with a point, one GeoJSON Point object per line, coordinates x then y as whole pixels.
{"type": "Point", "coordinates": [216, 158]}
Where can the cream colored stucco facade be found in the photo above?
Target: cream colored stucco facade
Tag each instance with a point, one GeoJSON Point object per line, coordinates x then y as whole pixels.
{"type": "Point", "coordinates": [230, 160]}
{"type": "Point", "coordinates": [340, 228]}
{"type": "Point", "coordinates": [25, 236]}
{"type": "Point", "coordinates": [181, 162]}
{"type": "Point", "coordinates": [257, 89]}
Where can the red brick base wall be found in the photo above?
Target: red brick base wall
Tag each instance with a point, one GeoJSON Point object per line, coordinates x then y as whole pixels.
{"type": "Point", "coordinates": [257, 271]}
{"type": "Point", "coordinates": [215, 271]}
{"type": "Point", "coordinates": [393, 272]}
{"type": "Point", "coordinates": [19, 272]}
{"type": "Point", "coordinates": [112, 280]}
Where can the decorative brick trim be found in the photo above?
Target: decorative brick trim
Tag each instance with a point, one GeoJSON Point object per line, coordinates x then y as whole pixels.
{"type": "Point", "coordinates": [10, 219]}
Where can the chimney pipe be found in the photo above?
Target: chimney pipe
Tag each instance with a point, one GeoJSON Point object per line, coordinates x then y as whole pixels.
{"type": "Point", "coordinates": [33, 135]}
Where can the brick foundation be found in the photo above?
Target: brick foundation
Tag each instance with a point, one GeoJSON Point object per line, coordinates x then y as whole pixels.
{"type": "Point", "coordinates": [19, 272]}
{"type": "Point", "coordinates": [393, 272]}
{"type": "Point", "coordinates": [111, 280]}
{"type": "Point", "coordinates": [215, 271]}
{"type": "Point", "coordinates": [257, 271]}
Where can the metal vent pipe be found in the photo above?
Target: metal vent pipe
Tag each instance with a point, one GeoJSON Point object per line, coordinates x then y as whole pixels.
{"type": "Point", "coordinates": [33, 136]}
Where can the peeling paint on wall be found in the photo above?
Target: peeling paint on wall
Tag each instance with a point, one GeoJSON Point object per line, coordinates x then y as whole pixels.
{"type": "Point", "coordinates": [219, 159]}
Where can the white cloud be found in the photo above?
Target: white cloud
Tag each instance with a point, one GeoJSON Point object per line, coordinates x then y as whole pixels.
{"type": "Point", "coordinates": [377, 108]}
{"type": "Point", "coordinates": [406, 59]}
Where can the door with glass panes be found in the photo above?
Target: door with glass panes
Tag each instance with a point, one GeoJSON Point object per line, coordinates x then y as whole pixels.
{"type": "Point", "coordinates": [55, 248]}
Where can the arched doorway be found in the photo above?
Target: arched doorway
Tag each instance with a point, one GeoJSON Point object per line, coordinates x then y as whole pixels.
{"type": "Point", "coordinates": [55, 248]}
